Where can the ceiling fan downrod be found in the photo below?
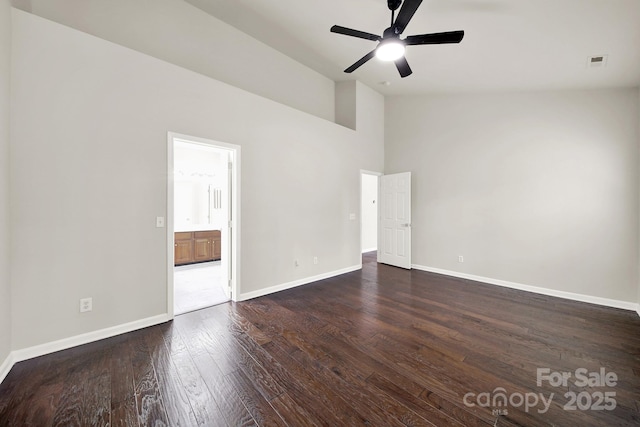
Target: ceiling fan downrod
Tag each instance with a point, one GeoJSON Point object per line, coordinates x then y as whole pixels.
{"type": "Point", "coordinates": [393, 6]}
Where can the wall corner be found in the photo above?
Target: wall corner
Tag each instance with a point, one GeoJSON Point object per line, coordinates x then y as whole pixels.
{"type": "Point", "coordinates": [345, 104]}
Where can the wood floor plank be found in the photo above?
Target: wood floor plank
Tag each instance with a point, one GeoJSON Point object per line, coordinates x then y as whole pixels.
{"type": "Point", "coordinates": [259, 408]}
{"type": "Point", "coordinates": [202, 402]}
{"type": "Point", "coordinates": [328, 407]}
{"type": "Point", "coordinates": [30, 385]}
{"type": "Point", "coordinates": [206, 362]}
{"type": "Point", "coordinates": [149, 404]}
{"type": "Point", "coordinates": [124, 413]}
{"type": "Point", "coordinates": [97, 401]}
{"type": "Point", "coordinates": [233, 409]}
{"type": "Point", "coordinates": [293, 413]}
{"type": "Point", "coordinates": [122, 380]}
{"type": "Point", "coordinates": [172, 391]}
{"type": "Point", "coordinates": [40, 405]}
{"type": "Point", "coordinates": [70, 411]}
{"type": "Point", "coordinates": [86, 395]}
{"type": "Point", "coordinates": [430, 413]}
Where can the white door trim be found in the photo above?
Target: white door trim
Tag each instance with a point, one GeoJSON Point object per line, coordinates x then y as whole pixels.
{"type": "Point", "coordinates": [235, 212]}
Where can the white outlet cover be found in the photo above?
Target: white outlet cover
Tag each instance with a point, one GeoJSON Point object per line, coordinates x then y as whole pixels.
{"type": "Point", "coordinates": [159, 221]}
{"type": "Point", "coordinates": [86, 304]}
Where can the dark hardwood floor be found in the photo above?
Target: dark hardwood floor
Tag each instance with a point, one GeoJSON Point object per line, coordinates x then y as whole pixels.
{"type": "Point", "coordinates": [378, 347]}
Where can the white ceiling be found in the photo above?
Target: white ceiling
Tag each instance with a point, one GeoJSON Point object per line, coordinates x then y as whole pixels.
{"type": "Point", "coordinates": [508, 44]}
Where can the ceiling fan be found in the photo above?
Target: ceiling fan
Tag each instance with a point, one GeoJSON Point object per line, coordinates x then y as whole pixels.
{"type": "Point", "coordinates": [390, 46]}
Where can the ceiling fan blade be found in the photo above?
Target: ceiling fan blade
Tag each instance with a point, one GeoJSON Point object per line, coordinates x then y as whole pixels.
{"type": "Point", "coordinates": [361, 61]}
{"type": "Point", "coordinates": [409, 7]}
{"type": "Point", "coordinates": [435, 38]}
{"type": "Point", "coordinates": [403, 67]}
{"type": "Point", "coordinates": [354, 33]}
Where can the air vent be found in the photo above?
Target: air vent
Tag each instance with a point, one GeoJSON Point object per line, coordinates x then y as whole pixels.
{"type": "Point", "coordinates": [597, 61]}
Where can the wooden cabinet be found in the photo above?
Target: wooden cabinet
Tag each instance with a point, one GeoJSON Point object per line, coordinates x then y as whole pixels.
{"type": "Point", "coordinates": [197, 246]}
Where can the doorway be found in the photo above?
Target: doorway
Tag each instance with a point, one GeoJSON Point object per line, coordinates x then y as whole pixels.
{"type": "Point", "coordinates": [369, 211]}
{"type": "Point", "coordinates": [202, 228]}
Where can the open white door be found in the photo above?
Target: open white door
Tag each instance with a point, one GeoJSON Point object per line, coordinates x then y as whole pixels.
{"type": "Point", "coordinates": [394, 246]}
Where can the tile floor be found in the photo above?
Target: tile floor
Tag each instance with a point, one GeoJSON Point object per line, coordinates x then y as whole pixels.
{"type": "Point", "coordinates": [197, 286]}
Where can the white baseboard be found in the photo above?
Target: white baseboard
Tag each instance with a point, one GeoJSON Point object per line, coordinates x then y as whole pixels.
{"type": "Point", "coordinates": [638, 309]}
{"type": "Point", "coordinates": [65, 343]}
{"type": "Point", "coordinates": [538, 290]}
{"type": "Point", "coordinates": [364, 251]}
{"type": "Point", "coordinates": [295, 283]}
{"type": "Point", "coordinates": [6, 366]}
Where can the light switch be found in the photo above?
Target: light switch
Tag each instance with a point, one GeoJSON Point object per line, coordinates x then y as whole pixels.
{"type": "Point", "coordinates": [352, 216]}
{"type": "Point", "coordinates": [159, 221]}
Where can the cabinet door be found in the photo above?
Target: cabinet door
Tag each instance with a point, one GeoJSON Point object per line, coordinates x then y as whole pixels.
{"type": "Point", "coordinates": [216, 248]}
{"type": "Point", "coordinates": [202, 250]}
{"type": "Point", "coordinates": [183, 251]}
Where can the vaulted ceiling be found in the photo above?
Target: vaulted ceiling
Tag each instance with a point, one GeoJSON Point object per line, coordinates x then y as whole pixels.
{"type": "Point", "coordinates": [508, 44]}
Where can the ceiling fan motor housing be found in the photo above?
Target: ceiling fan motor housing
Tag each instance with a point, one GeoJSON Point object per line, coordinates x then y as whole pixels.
{"type": "Point", "coordinates": [391, 32]}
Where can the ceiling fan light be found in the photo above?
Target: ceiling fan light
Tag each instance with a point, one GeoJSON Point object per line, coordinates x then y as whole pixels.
{"type": "Point", "coordinates": [390, 50]}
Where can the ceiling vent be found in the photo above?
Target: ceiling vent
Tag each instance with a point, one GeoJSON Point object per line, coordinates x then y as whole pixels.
{"type": "Point", "coordinates": [597, 61]}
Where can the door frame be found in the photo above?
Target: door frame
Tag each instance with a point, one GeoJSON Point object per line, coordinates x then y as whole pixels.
{"type": "Point", "coordinates": [234, 234]}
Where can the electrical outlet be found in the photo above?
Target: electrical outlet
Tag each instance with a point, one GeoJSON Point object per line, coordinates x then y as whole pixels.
{"type": "Point", "coordinates": [460, 258]}
{"type": "Point", "coordinates": [160, 221]}
{"type": "Point", "coordinates": [86, 304]}
{"type": "Point", "coordinates": [315, 259]}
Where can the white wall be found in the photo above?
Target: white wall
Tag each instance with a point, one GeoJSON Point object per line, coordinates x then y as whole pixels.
{"type": "Point", "coordinates": [89, 137]}
{"type": "Point", "coordinates": [345, 101]}
{"type": "Point", "coordinates": [180, 33]}
{"type": "Point", "coordinates": [540, 189]}
{"type": "Point", "coordinates": [5, 289]}
{"type": "Point", "coordinates": [370, 120]}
